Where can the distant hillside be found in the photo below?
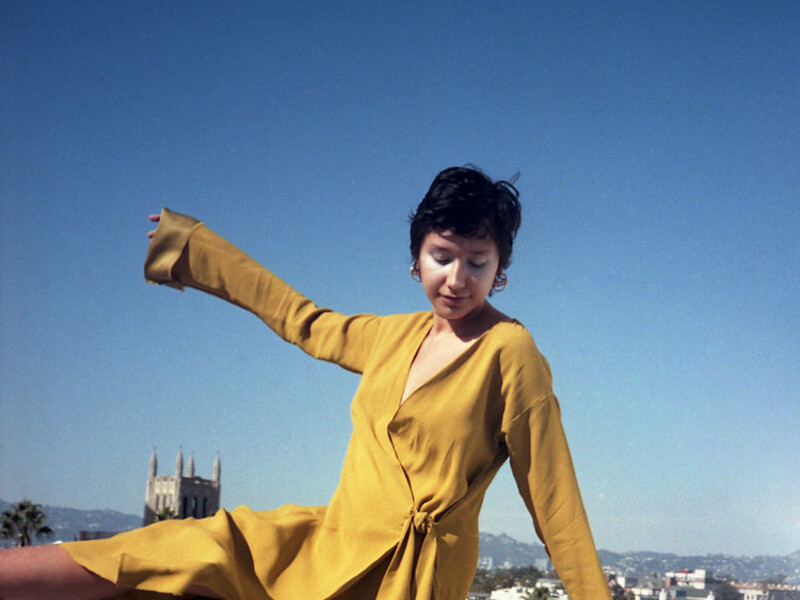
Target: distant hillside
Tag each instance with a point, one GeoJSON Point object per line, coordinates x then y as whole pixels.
{"type": "Point", "coordinates": [67, 522]}
{"type": "Point", "coordinates": [741, 568]}
{"type": "Point", "coordinates": [505, 550]}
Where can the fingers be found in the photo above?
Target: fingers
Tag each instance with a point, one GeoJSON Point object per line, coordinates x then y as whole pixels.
{"type": "Point", "coordinates": [154, 219]}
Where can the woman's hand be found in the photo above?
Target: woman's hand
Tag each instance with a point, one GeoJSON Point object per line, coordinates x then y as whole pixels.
{"type": "Point", "coordinates": [154, 219]}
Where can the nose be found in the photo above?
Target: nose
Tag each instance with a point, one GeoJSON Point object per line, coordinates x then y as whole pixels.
{"type": "Point", "coordinates": [457, 277]}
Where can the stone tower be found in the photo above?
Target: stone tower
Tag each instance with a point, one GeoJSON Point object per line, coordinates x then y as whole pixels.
{"type": "Point", "coordinates": [184, 497]}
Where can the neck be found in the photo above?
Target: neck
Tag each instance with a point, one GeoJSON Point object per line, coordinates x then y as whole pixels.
{"type": "Point", "coordinates": [469, 327]}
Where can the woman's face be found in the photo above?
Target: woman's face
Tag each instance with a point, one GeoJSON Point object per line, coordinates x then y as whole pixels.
{"type": "Point", "coordinates": [457, 272]}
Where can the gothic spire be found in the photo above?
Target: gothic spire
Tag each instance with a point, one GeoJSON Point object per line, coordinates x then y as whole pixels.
{"type": "Point", "coordinates": [153, 464]}
{"type": "Point", "coordinates": [179, 464]}
{"type": "Point", "coordinates": [217, 470]}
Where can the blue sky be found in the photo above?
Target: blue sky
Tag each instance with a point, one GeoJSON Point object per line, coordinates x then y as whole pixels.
{"type": "Point", "coordinates": [657, 265]}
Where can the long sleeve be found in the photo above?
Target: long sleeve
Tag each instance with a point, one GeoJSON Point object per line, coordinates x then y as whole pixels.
{"type": "Point", "coordinates": [542, 467]}
{"type": "Point", "coordinates": [184, 252]}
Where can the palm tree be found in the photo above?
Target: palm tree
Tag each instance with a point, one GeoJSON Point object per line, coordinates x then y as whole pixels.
{"type": "Point", "coordinates": [23, 522]}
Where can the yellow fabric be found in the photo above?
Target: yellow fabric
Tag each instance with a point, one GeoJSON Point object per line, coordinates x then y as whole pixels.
{"type": "Point", "coordinates": [403, 521]}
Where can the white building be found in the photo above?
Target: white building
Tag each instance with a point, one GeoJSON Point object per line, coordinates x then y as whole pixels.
{"type": "Point", "coordinates": [699, 579]}
{"type": "Point", "coordinates": [513, 593]}
{"type": "Point", "coordinates": [189, 496]}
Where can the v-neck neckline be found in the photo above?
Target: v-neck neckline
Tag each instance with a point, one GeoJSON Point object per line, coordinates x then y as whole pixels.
{"type": "Point", "coordinates": [436, 375]}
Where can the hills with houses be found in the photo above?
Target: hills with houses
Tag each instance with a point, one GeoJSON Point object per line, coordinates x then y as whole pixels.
{"type": "Point", "coordinates": [503, 550]}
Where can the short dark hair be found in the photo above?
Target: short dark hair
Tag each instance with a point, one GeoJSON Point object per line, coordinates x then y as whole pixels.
{"type": "Point", "coordinates": [465, 201]}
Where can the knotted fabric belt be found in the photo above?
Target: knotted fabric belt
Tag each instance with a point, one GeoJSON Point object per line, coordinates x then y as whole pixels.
{"type": "Point", "coordinates": [412, 570]}
{"type": "Point", "coordinates": [423, 522]}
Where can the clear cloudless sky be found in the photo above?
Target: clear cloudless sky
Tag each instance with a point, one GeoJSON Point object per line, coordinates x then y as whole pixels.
{"type": "Point", "coordinates": [657, 266]}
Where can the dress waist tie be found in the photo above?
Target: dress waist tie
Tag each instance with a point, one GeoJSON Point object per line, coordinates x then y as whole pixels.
{"type": "Point", "coordinates": [411, 573]}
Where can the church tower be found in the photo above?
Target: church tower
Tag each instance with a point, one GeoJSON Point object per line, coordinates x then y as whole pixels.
{"type": "Point", "coordinates": [179, 497]}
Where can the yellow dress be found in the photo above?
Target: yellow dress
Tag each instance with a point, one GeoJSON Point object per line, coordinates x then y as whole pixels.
{"type": "Point", "coordinates": [403, 522]}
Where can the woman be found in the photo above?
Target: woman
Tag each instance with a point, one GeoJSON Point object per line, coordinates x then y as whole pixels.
{"type": "Point", "coordinates": [445, 397]}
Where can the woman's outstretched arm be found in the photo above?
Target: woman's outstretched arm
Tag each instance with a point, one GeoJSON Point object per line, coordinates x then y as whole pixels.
{"type": "Point", "coordinates": [184, 252]}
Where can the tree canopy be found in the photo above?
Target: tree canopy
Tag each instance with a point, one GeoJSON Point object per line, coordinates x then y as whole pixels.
{"type": "Point", "coordinates": [726, 591]}
{"type": "Point", "coordinates": [23, 522]}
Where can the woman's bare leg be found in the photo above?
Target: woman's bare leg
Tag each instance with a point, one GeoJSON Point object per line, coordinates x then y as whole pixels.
{"type": "Point", "coordinates": [47, 572]}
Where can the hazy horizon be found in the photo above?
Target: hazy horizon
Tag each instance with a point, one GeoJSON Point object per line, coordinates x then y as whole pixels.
{"type": "Point", "coordinates": [537, 542]}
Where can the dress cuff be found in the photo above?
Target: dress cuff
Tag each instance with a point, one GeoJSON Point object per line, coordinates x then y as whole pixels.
{"type": "Point", "coordinates": [166, 247]}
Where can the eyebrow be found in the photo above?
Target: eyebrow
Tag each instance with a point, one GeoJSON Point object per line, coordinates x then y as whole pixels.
{"type": "Point", "coordinates": [441, 248]}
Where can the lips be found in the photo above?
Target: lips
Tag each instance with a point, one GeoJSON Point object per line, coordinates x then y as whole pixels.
{"type": "Point", "coordinates": [454, 300]}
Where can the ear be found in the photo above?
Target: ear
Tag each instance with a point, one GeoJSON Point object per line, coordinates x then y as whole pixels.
{"type": "Point", "coordinates": [415, 274]}
{"type": "Point", "coordinates": [500, 282]}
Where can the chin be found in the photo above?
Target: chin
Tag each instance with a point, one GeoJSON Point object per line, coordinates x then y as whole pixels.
{"type": "Point", "coordinates": [457, 314]}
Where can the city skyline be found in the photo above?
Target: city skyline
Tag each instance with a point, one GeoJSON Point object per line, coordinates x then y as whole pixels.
{"type": "Point", "coordinates": [657, 266]}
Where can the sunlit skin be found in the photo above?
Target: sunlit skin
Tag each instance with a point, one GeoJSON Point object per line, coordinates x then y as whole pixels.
{"type": "Point", "coordinates": [48, 573]}
{"type": "Point", "coordinates": [457, 275]}
{"type": "Point", "coordinates": [155, 219]}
